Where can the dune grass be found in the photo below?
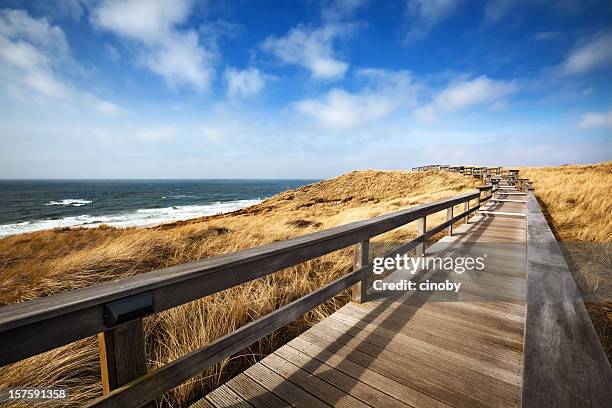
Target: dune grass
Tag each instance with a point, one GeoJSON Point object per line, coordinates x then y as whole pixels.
{"type": "Point", "coordinates": [47, 262]}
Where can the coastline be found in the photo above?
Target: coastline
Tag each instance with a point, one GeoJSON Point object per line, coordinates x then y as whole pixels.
{"type": "Point", "coordinates": [141, 218]}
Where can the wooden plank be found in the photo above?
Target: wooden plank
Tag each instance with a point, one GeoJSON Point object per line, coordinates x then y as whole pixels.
{"type": "Point", "coordinates": [424, 380]}
{"type": "Point", "coordinates": [469, 339]}
{"type": "Point", "coordinates": [224, 396]}
{"type": "Point", "coordinates": [313, 384]}
{"type": "Point", "coordinates": [503, 214]}
{"type": "Point", "coordinates": [421, 228]}
{"type": "Point", "coordinates": [344, 382]}
{"type": "Point", "coordinates": [387, 385]}
{"type": "Point", "coordinates": [286, 390]}
{"type": "Point", "coordinates": [361, 251]}
{"type": "Point", "coordinates": [255, 394]}
{"type": "Point", "coordinates": [461, 379]}
{"type": "Point", "coordinates": [42, 324]}
{"type": "Point", "coordinates": [404, 343]}
{"type": "Point", "coordinates": [203, 403]}
{"type": "Point", "coordinates": [122, 355]}
{"type": "Point", "coordinates": [565, 365]}
{"type": "Point", "coordinates": [508, 201]}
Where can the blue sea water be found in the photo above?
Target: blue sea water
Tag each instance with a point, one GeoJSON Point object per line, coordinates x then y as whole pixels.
{"type": "Point", "coordinates": [31, 205]}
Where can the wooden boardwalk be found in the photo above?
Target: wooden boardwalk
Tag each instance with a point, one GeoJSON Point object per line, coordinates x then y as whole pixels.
{"type": "Point", "coordinates": [412, 351]}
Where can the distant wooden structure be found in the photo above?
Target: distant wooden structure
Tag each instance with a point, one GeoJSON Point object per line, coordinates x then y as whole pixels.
{"type": "Point", "coordinates": [523, 337]}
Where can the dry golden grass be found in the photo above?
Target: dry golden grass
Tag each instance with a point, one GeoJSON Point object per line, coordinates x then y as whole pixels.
{"type": "Point", "coordinates": [43, 263]}
{"type": "Point", "coordinates": [576, 201]}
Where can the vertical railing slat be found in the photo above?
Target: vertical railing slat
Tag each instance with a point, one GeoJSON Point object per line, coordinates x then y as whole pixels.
{"type": "Point", "coordinates": [421, 228]}
{"type": "Point", "coordinates": [361, 252]}
{"type": "Point", "coordinates": [122, 354]}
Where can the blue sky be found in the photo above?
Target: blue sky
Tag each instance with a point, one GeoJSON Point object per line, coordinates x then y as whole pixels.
{"type": "Point", "coordinates": [300, 88]}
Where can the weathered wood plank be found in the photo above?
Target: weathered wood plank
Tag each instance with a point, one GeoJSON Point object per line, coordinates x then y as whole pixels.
{"type": "Point", "coordinates": [359, 291]}
{"type": "Point", "coordinates": [279, 386]}
{"type": "Point", "coordinates": [313, 384]}
{"type": "Point", "coordinates": [254, 393]}
{"type": "Point", "coordinates": [387, 385]}
{"type": "Point", "coordinates": [122, 355]}
{"type": "Point", "coordinates": [404, 343]}
{"type": "Point", "coordinates": [344, 382]}
{"type": "Point", "coordinates": [224, 396]}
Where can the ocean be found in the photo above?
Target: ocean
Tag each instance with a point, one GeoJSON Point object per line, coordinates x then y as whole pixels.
{"type": "Point", "coordinates": [32, 205]}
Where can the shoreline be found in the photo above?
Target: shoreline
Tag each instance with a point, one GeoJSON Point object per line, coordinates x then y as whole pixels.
{"type": "Point", "coordinates": [132, 219]}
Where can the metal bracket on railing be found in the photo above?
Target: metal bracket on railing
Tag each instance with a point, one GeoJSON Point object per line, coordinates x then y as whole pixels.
{"type": "Point", "coordinates": [129, 308]}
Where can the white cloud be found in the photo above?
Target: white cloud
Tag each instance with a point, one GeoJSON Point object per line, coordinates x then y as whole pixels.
{"type": "Point", "coordinates": [311, 48]}
{"type": "Point", "coordinates": [29, 50]}
{"type": "Point", "coordinates": [340, 9]}
{"type": "Point", "coordinates": [339, 110]}
{"type": "Point", "coordinates": [589, 56]}
{"type": "Point", "coordinates": [425, 14]}
{"type": "Point", "coordinates": [495, 10]}
{"type": "Point", "coordinates": [73, 9]}
{"type": "Point", "coordinates": [32, 54]}
{"type": "Point", "coordinates": [174, 54]}
{"type": "Point", "coordinates": [548, 35]}
{"type": "Point", "coordinates": [156, 134]}
{"type": "Point", "coordinates": [106, 107]}
{"type": "Point", "coordinates": [593, 120]}
{"type": "Point", "coordinates": [244, 83]}
{"type": "Point", "coordinates": [464, 94]}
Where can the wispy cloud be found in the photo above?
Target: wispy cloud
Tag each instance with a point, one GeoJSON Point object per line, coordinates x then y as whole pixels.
{"type": "Point", "coordinates": [312, 48]}
{"type": "Point", "coordinates": [590, 55]}
{"type": "Point", "coordinates": [156, 134]}
{"type": "Point", "coordinates": [548, 35]}
{"type": "Point", "coordinates": [30, 50]}
{"type": "Point", "coordinates": [495, 10]}
{"type": "Point", "coordinates": [464, 94]}
{"type": "Point", "coordinates": [339, 110]}
{"type": "Point", "coordinates": [423, 15]}
{"type": "Point", "coordinates": [33, 53]}
{"type": "Point", "coordinates": [341, 9]}
{"type": "Point", "coordinates": [594, 120]}
{"type": "Point", "coordinates": [245, 83]}
{"type": "Point", "coordinates": [173, 53]}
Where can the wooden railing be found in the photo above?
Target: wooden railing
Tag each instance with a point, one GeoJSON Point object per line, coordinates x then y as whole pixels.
{"type": "Point", "coordinates": [115, 310]}
{"type": "Point", "coordinates": [488, 174]}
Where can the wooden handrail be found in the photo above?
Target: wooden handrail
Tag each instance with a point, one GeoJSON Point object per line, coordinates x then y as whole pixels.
{"type": "Point", "coordinates": [39, 325]}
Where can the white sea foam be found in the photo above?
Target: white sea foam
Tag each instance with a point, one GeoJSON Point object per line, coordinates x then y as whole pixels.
{"type": "Point", "coordinates": [142, 217]}
{"type": "Point", "coordinates": [75, 202]}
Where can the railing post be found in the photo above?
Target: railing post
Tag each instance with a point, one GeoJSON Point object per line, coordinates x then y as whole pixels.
{"type": "Point", "coordinates": [359, 290]}
{"type": "Point", "coordinates": [122, 354]}
{"type": "Point", "coordinates": [422, 226]}
{"type": "Point", "coordinates": [466, 207]}
{"type": "Point", "coordinates": [449, 216]}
